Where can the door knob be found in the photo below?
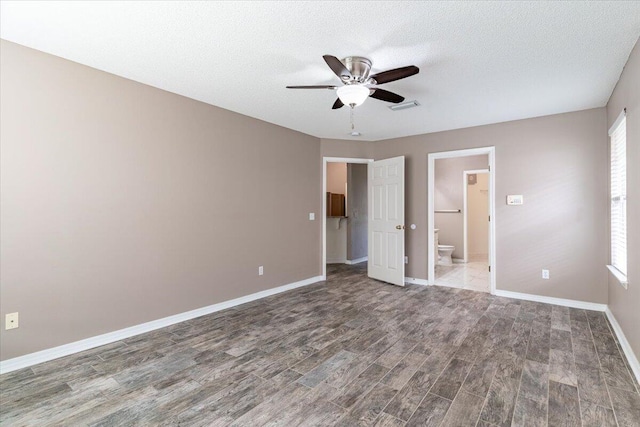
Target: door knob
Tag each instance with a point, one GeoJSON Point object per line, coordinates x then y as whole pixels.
{"type": "Point", "coordinates": [399, 227]}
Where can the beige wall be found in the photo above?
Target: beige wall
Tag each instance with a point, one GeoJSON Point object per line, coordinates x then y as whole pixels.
{"type": "Point", "coordinates": [351, 149]}
{"type": "Point", "coordinates": [336, 177]}
{"type": "Point", "coordinates": [336, 240]}
{"type": "Point", "coordinates": [625, 303]}
{"type": "Point", "coordinates": [559, 164]}
{"type": "Point", "coordinates": [122, 203]}
{"type": "Point", "coordinates": [449, 195]}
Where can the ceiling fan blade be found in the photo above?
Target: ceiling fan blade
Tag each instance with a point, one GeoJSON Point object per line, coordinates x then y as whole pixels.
{"type": "Point", "coordinates": [385, 95]}
{"type": "Point", "coordinates": [337, 66]}
{"type": "Point", "coordinates": [396, 74]}
{"type": "Point", "coordinates": [313, 87]}
{"type": "Point", "coordinates": [337, 104]}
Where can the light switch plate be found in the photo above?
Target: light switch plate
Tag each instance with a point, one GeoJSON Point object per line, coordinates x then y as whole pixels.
{"type": "Point", "coordinates": [515, 199]}
{"type": "Point", "coordinates": [260, 271]}
{"type": "Point", "coordinates": [312, 216]}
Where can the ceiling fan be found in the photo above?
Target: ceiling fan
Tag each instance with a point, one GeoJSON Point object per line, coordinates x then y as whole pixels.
{"type": "Point", "coordinates": [358, 85]}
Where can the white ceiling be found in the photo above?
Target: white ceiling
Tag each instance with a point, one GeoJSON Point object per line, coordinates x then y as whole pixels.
{"type": "Point", "coordinates": [480, 62]}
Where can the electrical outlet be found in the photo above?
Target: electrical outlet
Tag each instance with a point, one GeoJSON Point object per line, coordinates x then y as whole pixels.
{"type": "Point", "coordinates": [406, 260]}
{"type": "Point", "coordinates": [260, 270]}
{"type": "Point", "coordinates": [545, 274]}
{"type": "Point", "coordinates": [11, 321]}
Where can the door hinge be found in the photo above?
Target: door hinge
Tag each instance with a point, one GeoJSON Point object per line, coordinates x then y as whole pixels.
{"type": "Point", "coordinates": [489, 269]}
{"type": "Point", "coordinates": [489, 217]}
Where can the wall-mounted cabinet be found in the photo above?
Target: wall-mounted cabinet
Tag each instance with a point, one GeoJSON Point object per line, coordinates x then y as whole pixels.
{"type": "Point", "coordinates": [336, 205]}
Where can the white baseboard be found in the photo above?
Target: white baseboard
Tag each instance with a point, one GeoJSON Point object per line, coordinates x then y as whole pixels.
{"type": "Point", "coordinates": [356, 261]}
{"type": "Point", "coordinates": [86, 344]}
{"type": "Point", "coordinates": [626, 347]}
{"type": "Point", "coordinates": [551, 300]}
{"type": "Point", "coordinates": [414, 281]}
{"type": "Point", "coordinates": [336, 261]}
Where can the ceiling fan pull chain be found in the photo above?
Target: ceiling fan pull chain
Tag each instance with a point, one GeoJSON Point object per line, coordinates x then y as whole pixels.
{"type": "Point", "coordinates": [352, 125]}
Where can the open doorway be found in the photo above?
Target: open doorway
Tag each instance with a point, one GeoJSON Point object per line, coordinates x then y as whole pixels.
{"type": "Point", "coordinates": [345, 213]}
{"type": "Point", "coordinates": [460, 217]}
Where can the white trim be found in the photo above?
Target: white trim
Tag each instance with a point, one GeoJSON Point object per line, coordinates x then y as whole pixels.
{"type": "Point", "coordinates": [99, 340]}
{"type": "Point", "coordinates": [414, 281]}
{"type": "Point", "coordinates": [626, 347]}
{"type": "Point", "coordinates": [619, 119]}
{"type": "Point", "coordinates": [431, 158]}
{"type": "Point", "coordinates": [465, 189]}
{"type": "Point", "coordinates": [357, 260]}
{"type": "Point", "coordinates": [552, 300]}
{"type": "Point", "coordinates": [620, 277]}
{"type": "Point", "coordinates": [326, 160]}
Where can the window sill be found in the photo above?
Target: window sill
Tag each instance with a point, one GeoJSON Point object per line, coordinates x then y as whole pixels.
{"type": "Point", "coordinates": [621, 278]}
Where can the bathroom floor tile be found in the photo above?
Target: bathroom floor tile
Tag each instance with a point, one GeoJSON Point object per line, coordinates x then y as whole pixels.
{"type": "Point", "coordinates": [471, 275]}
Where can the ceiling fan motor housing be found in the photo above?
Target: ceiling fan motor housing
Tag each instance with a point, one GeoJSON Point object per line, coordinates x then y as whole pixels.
{"type": "Point", "coordinates": [358, 85]}
{"type": "Point", "coordinates": [359, 67]}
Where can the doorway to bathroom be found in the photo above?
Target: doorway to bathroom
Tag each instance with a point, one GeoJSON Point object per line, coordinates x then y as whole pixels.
{"type": "Point", "coordinates": [461, 232]}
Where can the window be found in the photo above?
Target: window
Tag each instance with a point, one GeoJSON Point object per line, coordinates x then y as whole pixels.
{"type": "Point", "coordinates": [618, 135]}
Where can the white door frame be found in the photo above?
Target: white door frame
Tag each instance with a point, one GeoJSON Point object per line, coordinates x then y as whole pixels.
{"type": "Point", "coordinates": [465, 219]}
{"type": "Point", "coordinates": [326, 160]}
{"type": "Point", "coordinates": [431, 159]}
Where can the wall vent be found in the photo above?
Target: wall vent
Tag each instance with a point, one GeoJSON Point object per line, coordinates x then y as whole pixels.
{"type": "Point", "coordinates": [404, 105]}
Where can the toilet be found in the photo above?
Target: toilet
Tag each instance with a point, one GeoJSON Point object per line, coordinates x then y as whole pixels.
{"type": "Point", "coordinates": [444, 254]}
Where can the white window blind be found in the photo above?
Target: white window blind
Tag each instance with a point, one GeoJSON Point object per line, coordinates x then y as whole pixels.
{"type": "Point", "coordinates": [618, 134]}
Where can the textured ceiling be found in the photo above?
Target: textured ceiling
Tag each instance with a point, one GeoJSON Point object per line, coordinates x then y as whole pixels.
{"type": "Point", "coordinates": [480, 63]}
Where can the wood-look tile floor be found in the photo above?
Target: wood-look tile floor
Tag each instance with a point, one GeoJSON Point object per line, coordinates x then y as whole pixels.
{"type": "Point", "coordinates": [349, 351]}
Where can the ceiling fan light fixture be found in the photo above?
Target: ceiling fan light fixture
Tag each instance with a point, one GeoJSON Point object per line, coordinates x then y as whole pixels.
{"type": "Point", "coordinates": [353, 95]}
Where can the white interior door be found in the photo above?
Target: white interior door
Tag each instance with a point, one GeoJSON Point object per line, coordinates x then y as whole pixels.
{"type": "Point", "coordinates": [386, 220]}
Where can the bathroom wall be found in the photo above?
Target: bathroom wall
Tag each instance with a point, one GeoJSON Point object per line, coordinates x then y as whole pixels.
{"type": "Point", "coordinates": [357, 211]}
{"type": "Point", "coordinates": [625, 303]}
{"type": "Point", "coordinates": [336, 227]}
{"type": "Point", "coordinates": [449, 194]}
{"type": "Point", "coordinates": [478, 219]}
